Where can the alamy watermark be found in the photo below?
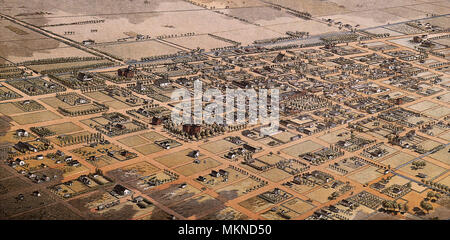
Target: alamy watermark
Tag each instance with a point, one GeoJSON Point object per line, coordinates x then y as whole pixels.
{"type": "Point", "coordinates": [228, 109]}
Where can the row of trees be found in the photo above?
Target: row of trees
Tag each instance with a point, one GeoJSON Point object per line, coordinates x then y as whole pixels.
{"type": "Point", "coordinates": [439, 186]}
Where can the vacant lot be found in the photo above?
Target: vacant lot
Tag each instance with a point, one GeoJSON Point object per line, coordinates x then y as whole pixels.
{"type": "Point", "coordinates": [431, 170]}
{"type": "Point", "coordinates": [36, 117]}
{"type": "Point", "coordinates": [366, 175]}
{"type": "Point", "coordinates": [237, 189]}
{"type": "Point", "coordinates": [197, 206]}
{"type": "Point", "coordinates": [301, 148]}
{"type": "Point", "coordinates": [193, 168]}
{"type": "Point", "coordinates": [53, 212]}
{"type": "Point", "coordinates": [175, 159]}
{"type": "Point", "coordinates": [11, 206]}
{"type": "Point", "coordinates": [199, 41]}
{"type": "Point", "coordinates": [12, 185]}
{"type": "Point", "coordinates": [218, 146]}
{"type": "Point", "coordinates": [299, 206]}
{"type": "Point", "coordinates": [275, 174]}
{"type": "Point", "coordinates": [137, 50]}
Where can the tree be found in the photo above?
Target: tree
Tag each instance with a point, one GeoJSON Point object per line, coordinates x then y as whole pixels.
{"type": "Point", "coordinates": [426, 206]}
{"type": "Point", "coordinates": [405, 207]}
{"type": "Point", "coordinates": [430, 195]}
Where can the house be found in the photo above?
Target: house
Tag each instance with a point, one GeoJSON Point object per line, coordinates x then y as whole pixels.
{"type": "Point", "coordinates": [84, 179]}
{"type": "Point", "coordinates": [191, 129]}
{"type": "Point", "coordinates": [140, 86]}
{"type": "Point", "coordinates": [88, 42]}
{"type": "Point", "coordinates": [223, 172]}
{"type": "Point", "coordinates": [121, 190]}
{"type": "Point", "coordinates": [162, 82]}
{"type": "Point", "coordinates": [39, 157]}
{"type": "Point", "coordinates": [85, 77]}
{"type": "Point", "coordinates": [231, 155]}
{"type": "Point", "coordinates": [250, 148]}
{"type": "Point", "coordinates": [73, 163]}
{"type": "Point", "coordinates": [60, 153]}
{"type": "Point", "coordinates": [125, 72]}
{"type": "Point", "coordinates": [24, 147]}
{"type": "Point", "coordinates": [19, 162]}
{"type": "Point", "coordinates": [201, 179]}
{"type": "Point", "coordinates": [156, 121]}
{"type": "Point", "coordinates": [421, 175]}
{"type": "Point", "coordinates": [214, 173]}
{"type": "Point", "coordinates": [195, 154]}
{"type": "Point", "coordinates": [22, 133]}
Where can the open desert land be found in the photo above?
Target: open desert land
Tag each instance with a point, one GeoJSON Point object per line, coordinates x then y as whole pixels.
{"type": "Point", "coordinates": [19, 44]}
{"type": "Point", "coordinates": [199, 41]}
{"type": "Point", "coordinates": [246, 35]}
{"type": "Point", "coordinates": [137, 50]}
{"type": "Point", "coordinates": [261, 15]}
{"type": "Point", "coordinates": [163, 24]}
{"type": "Point", "coordinates": [377, 18]}
{"type": "Point", "coordinates": [218, 4]}
{"type": "Point", "coordinates": [315, 8]}
{"type": "Point", "coordinates": [53, 212]}
{"type": "Point", "coordinates": [33, 9]}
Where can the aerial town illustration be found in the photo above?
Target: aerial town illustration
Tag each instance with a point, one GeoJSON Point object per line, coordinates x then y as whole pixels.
{"type": "Point", "coordinates": [86, 110]}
